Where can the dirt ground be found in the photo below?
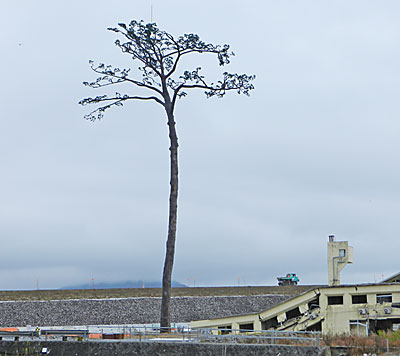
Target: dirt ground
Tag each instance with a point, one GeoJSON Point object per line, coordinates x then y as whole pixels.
{"type": "Point", "coordinates": [55, 294]}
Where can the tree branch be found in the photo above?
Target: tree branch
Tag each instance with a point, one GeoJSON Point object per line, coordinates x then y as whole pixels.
{"type": "Point", "coordinates": [116, 101]}
{"type": "Point", "coordinates": [120, 80]}
{"type": "Point", "coordinates": [134, 41]}
{"type": "Point", "coordinates": [186, 51]}
{"type": "Point", "coordinates": [137, 40]}
{"type": "Point", "coordinates": [178, 51]}
{"type": "Point", "coordinates": [223, 56]}
{"type": "Point", "coordinates": [239, 82]}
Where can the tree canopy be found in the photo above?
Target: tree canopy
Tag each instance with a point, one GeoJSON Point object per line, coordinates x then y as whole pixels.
{"type": "Point", "coordinates": [158, 54]}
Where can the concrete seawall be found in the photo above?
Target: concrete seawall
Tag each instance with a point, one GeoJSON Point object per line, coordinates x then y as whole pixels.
{"type": "Point", "coordinates": [129, 310]}
{"type": "Point", "coordinates": [58, 348]}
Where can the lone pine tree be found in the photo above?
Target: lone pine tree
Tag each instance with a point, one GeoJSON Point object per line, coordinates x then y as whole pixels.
{"type": "Point", "coordinates": [157, 55]}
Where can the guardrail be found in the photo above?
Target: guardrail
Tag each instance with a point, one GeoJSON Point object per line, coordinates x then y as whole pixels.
{"type": "Point", "coordinates": [212, 335]}
{"type": "Point", "coordinates": [179, 334]}
{"type": "Point", "coordinates": [271, 337]}
{"type": "Point", "coordinates": [17, 334]}
{"type": "Point", "coordinates": [75, 333]}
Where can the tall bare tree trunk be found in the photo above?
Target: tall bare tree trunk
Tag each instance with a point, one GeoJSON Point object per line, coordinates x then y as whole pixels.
{"type": "Point", "coordinates": [173, 210]}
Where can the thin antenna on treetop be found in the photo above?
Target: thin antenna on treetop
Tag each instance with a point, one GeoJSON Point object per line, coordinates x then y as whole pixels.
{"type": "Point", "coordinates": [151, 13]}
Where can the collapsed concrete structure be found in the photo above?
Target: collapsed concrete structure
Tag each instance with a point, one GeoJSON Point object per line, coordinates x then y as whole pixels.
{"type": "Point", "coordinates": [332, 309]}
{"type": "Point", "coordinates": [357, 309]}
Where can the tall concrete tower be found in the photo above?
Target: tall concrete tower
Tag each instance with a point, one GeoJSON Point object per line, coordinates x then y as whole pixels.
{"type": "Point", "coordinates": [339, 255]}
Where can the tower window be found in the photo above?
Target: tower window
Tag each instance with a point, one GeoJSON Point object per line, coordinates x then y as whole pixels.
{"type": "Point", "coordinates": [335, 300]}
{"type": "Point", "coordinates": [383, 298]}
{"type": "Point", "coordinates": [359, 299]}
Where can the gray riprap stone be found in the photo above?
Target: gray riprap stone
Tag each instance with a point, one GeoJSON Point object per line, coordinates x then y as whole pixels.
{"type": "Point", "coordinates": [129, 310]}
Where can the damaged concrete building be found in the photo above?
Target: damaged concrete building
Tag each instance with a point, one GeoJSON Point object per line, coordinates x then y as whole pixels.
{"type": "Point", "coordinates": [332, 309]}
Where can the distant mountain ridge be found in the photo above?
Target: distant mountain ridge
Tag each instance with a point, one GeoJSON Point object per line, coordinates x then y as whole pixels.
{"type": "Point", "coordinates": [123, 284]}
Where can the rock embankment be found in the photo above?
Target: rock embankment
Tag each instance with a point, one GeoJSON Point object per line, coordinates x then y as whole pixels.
{"type": "Point", "coordinates": [120, 311]}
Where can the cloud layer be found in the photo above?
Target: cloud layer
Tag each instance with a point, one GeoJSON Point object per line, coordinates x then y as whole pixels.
{"type": "Point", "coordinates": [264, 180]}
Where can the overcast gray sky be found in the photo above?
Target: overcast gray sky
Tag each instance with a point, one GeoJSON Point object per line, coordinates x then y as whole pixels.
{"type": "Point", "coordinates": [264, 179]}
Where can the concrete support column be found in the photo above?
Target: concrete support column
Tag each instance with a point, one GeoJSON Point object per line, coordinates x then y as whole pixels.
{"type": "Point", "coordinates": [257, 325]}
{"type": "Point", "coordinates": [235, 326]}
{"type": "Point", "coordinates": [347, 300]}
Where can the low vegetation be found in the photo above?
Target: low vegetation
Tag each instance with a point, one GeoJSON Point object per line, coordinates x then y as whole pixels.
{"type": "Point", "coordinates": [374, 344]}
